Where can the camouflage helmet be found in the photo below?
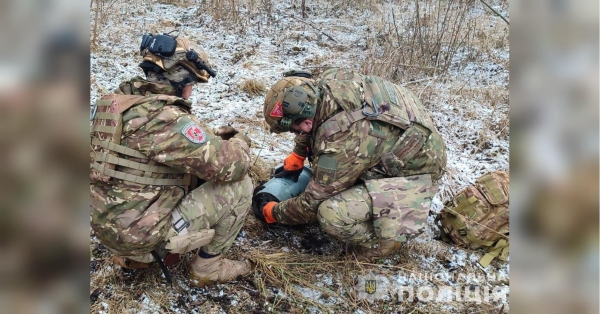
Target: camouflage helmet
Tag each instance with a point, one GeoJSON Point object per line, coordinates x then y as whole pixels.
{"type": "Point", "coordinates": [292, 98]}
{"type": "Point", "coordinates": [178, 60]}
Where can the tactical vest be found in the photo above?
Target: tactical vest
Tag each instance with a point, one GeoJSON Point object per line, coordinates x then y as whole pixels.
{"type": "Point", "coordinates": [373, 98]}
{"type": "Point", "coordinates": [106, 154]}
{"type": "Point", "coordinates": [477, 217]}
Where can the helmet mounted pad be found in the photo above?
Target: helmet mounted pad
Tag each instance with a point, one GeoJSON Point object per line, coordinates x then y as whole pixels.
{"type": "Point", "coordinates": [295, 106]}
{"type": "Point", "coordinates": [160, 45]}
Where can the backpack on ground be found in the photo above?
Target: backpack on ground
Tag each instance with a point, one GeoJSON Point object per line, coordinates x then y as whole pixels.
{"type": "Point", "coordinates": [477, 217]}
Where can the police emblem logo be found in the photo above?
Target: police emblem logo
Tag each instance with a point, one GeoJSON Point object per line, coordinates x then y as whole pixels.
{"type": "Point", "coordinates": [194, 133]}
{"type": "Point", "coordinates": [370, 286]}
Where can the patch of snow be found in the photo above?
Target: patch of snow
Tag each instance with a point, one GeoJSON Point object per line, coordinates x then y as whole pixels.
{"type": "Point", "coordinates": [458, 259]}
{"type": "Point", "coordinates": [308, 293]}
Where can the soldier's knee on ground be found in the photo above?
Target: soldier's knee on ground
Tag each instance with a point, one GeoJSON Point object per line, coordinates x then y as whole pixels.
{"type": "Point", "coordinates": [228, 227]}
{"type": "Point", "coordinates": [336, 219]}
{"type": "Point", "coordinates": [247, 186]}
{"type": "Point", "coordinates": [244, 190]}
{"type": "Point", "coordinates": [234, 197]}
{"type": "Point", "coordinates": [347, 216]}
{"type": "Point", "coordinates": [330, 219]}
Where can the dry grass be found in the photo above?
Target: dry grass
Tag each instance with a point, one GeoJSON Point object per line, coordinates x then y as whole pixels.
{"type": "Point", "coordinates": [101, 11]}
{"type": "Point", "coordinates": [289, 271]}
{"type": "Point", "coordinates": [253, 87]}
{"type": "Point", "coordinates": [279, 283]}
{"type": "Point", "coordinates": [421, 44]}
{"type": "Point", "coordinates": [235, 12]}
{"type": "Point", "coordinates": [352, 7]}
{"type": "Point", "coordinates": [260, 171]}
{"type": "Point", "coordinates": [286, 271]}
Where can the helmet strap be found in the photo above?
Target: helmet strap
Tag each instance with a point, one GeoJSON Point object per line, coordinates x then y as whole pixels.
{"type": "Point", "coordinates": [298, 73]}
{"type": "Point", "coordinates": [149, 66]}
{"type": "Point", "coordinates": [179, 86]}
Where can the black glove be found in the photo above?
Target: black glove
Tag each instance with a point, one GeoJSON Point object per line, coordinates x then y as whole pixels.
{"type": "Point", "coordinates": [294, 174]}
{"type": "Point", "coordinates": [258, 202]}
{"type": "Point", "coordinates": [258, 212]}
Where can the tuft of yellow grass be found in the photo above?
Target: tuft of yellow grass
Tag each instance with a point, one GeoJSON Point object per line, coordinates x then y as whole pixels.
{"type": "Point", "coordinates": [260, 171]}
{"type": "Point", "coordinates": [253, 87]}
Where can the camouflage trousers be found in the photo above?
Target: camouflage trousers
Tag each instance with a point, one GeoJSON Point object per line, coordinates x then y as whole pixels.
{"type": "Point", "coordinates": [383, 209]}
{"type": "Point", "coordinates": [221, 207]}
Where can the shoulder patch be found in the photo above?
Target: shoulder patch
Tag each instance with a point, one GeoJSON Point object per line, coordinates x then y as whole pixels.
{"type": "Point", "coordinates": [326, 170]}
{"type": "Point", "coordinates": [277, 110]}
{"type": "Point", "coordinates": [194, 133]}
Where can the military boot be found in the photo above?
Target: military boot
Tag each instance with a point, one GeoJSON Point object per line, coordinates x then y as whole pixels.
{"type": "Point", "coordinates": [207, 271]}
{"type": "Point", "coordinates": [364, 254]}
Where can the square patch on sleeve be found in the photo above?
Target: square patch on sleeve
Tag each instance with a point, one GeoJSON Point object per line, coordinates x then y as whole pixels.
{"type": "Point", "coordinates": [326, 170]}
{"type": "Point", "coordinates": [194, 133]}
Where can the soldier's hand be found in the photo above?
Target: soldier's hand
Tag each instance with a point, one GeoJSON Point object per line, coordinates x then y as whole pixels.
{"type": "Point", "coordinates": [258, 211]}
{"type": "Point", "coordinates": [293, 162]}
{"type": "Point", "coordinates": [226, 132]}
{"type": "Point", "coordinates": [264, 212]}
{"type": "Point", "coordinates": [267, 212]}
{"type": "Point", "coordinates": [294, 174]}
{"type": "Point", "coordinates": [244, 138]}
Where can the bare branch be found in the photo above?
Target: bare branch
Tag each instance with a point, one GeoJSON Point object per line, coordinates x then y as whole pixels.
{"type": "Point", "coordinates": [496, 12]}
{"type": "Point", "coordinates": [314, 26]}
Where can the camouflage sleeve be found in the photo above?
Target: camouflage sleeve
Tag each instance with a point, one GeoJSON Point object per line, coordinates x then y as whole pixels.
{"type": "Point", "coordinates": [302, 146]}
{"type": "Point", "coordinates": [340, 160]}
{"type": "Point", "coordinates": [183, 142]}
{"type": "Point", "coordinates": [329, 74]}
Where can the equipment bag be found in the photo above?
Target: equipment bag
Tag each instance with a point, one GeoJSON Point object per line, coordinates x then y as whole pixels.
{"type": "Point", "coordinates": [477, 217]}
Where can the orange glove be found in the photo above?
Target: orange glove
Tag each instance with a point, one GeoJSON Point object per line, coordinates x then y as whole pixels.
{"type": "Point", "coordinates": [268, 212]}
{"type": "Point", "coordinates": [293, 162]}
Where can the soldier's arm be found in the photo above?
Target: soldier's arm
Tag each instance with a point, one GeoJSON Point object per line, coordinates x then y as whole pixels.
{"type": "Point", "coordinates": [336, 168]}
{"type": "Point", "coordinates": [302, 146]}
{"type": "Point", "coordinates": [187, 144]}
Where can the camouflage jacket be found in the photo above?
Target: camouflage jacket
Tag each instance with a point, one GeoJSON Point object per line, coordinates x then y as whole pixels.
{"type": "Point", "coordinates": [131, 218]}
{"type": "Point", "coordinates": [342, 157]}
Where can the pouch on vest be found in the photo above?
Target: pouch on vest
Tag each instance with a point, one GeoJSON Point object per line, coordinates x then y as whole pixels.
{"type": "Point", "coordinates": [180, 244]}
{"type": "Point", "coordinates": [400, 205]}
{"type": "Point", "coordinates": [407, 146]}
{"type": "Point", "coordinates": [107, 125]}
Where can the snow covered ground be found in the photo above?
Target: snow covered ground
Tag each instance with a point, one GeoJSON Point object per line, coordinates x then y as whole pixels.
{"type": "Point", "coordinates": [469, 105]}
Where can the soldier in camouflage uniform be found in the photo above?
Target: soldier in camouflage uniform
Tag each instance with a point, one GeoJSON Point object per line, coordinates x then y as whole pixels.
{"type": "Point", "coordinates": [161, 181]}
{"type": "Point", "coordinates": [376, 158]}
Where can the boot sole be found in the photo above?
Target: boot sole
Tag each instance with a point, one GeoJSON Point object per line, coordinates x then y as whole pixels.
{"type": "Point", "coordinates": [200, 282]}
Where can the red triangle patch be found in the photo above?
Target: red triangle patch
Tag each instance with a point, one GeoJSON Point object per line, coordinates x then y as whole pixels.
{"type": "Point", "coordinates": [277, 111]}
